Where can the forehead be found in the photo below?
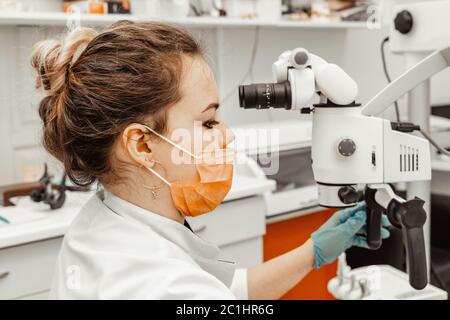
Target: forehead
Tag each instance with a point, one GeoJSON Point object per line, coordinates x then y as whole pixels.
{"type": "Point", "coordinates": [197, 80]}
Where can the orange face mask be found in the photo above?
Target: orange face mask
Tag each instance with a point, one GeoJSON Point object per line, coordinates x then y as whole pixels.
{"type": "Point", "coordinates": [211, 185]}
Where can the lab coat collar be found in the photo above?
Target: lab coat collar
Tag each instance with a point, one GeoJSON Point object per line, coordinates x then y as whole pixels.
{"type": "Point", "coordinates": [205, 254]}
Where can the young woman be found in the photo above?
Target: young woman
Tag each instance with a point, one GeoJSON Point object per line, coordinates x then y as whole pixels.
{"type": "Point", "coordinates": [116, 104]}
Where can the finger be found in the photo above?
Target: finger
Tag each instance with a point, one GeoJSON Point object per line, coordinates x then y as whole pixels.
{"type": "Point", "coordinates": [361, 205]}
{"type": "Point", "coordinates": [360, 241]}
{"type": "Point", "coordinates": [385, 233]}
{"type": "Point", "coordinates": [354, 223]}
{"type": "Point", "coordinates": [343, 215]}
{"type": "Point", "coordinates": [337, 218]}
{"type": "Point", "coordinates": [363, 230]}
{"type": "Point", "coordinates": [385, 221]}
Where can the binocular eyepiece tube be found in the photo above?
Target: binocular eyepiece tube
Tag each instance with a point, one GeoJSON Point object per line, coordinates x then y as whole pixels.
{"type": "Point", "coordinates": [265, 96]}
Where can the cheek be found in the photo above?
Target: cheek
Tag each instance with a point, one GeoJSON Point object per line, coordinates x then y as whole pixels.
{"type": "Point", "coordinates": [175, 169]}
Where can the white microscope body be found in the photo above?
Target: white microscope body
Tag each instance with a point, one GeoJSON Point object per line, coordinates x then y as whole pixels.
{"type": "Point", "coordinates": [351, 146]}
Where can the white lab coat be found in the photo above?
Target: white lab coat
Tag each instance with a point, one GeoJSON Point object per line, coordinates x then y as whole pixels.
{"type": "Point", "coordinates": [116, 250]}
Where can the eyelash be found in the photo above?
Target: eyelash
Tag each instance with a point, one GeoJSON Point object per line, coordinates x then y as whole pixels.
{"type": "Point", "coordinates": [210, 124]}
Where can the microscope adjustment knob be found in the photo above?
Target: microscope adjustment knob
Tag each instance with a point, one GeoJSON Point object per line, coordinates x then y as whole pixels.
{"type": "Point", "coordinates": [347, 147]}
{"type": "Point", "coordinates": [299, 58]}
{"type": "Point", "coordinates": [348, 195]}
{"type": "Point", "coordinates": [403, 22]}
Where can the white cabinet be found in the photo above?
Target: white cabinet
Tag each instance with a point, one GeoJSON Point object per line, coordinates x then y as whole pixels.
{"type": "Point", "coordinates": [27, 270]}
{"type": "Point", "coordinates": [36, 296]}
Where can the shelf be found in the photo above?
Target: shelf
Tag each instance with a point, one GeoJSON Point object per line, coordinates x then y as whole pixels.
{"type": "Point", "coordinates": [61, 19]}
{"type": "Point", "coordinates": [56, 19]}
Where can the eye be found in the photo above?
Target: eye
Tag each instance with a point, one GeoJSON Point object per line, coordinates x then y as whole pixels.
{"type": "Point", "coordinates": [210, 124]}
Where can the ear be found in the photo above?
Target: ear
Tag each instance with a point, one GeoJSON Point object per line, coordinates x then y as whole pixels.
{"type": "Point", "coordinates": [137, 142]}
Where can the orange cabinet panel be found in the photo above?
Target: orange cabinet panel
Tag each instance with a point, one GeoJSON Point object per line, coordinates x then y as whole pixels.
{"type": "Point", "coordinates": [286, 235]}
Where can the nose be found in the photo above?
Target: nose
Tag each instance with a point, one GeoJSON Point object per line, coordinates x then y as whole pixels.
{"type": "Point", "coordinates": [228, 136]}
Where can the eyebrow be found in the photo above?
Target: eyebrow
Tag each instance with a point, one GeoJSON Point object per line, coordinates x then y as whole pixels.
{"type": "Point", "coordinates": [213, 105]}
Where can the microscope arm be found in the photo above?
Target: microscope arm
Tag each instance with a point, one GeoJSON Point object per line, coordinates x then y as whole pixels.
{"type": "Point", "coordinates": [425, 69]}
{"type": "Point", "coordinates": [409, 216]}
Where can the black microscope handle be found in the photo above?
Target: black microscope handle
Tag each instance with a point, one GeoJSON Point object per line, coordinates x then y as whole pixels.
{"type": "Point", "coordinates": [415, 252]}
{"type": "Point", "coordinates": [374, 215]}
{"type": "Point", "coordinates": [410, 217]}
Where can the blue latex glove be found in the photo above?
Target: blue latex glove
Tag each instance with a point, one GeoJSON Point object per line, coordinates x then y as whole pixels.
{"type": "Point", "coordinates": [346, 228]}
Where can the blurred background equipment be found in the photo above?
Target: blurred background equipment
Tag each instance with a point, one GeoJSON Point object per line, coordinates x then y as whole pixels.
{"type": "Point", "coordinates": [54, 197]}
{"type": "Point", "coordinates": [98, 6]}
{"type": "Point", "coordinates": [329, 10]}
{"type": "Point", "coordinates": [41, 191]}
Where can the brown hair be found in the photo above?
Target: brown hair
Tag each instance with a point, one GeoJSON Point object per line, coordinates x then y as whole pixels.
{"type": "Point", "coordinates": [97, 83]}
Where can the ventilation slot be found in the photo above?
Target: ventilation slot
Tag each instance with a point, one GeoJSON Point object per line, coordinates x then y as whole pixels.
{"type": "Point", "coordinates": [409, 159]}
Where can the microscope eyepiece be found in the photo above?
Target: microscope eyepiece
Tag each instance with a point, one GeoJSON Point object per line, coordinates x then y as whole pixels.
{"type": "Point", "coordinates": [265, 96]}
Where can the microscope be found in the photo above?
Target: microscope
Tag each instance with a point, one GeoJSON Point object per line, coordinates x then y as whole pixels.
{"type": "Point", "coordinates": [351, 146]}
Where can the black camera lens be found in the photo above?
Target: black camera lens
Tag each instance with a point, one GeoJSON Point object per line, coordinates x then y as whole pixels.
{"type": "Point", "coordinates": [265, 96]}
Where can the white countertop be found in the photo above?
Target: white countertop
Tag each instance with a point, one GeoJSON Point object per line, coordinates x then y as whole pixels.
{"type": "Point", "coordinates": [32, 222]}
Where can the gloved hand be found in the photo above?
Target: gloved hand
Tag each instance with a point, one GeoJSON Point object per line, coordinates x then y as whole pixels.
{"type": "Point", "coordinates": [346, 228]}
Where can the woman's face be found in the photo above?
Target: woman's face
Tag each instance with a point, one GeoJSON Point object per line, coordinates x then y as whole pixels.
{"type": "Point", "coordinates": [192, 123]}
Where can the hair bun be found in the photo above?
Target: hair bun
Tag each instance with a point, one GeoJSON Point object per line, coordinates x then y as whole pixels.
{"type": "Point", "coordinates": [51, 58]}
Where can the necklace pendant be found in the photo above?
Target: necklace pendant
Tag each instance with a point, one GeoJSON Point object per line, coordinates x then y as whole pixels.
{"type": "Point", "coordinates": [155, 192]}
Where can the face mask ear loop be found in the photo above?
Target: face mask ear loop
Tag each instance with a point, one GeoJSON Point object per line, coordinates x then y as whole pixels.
{"type": "Point", "coordinates": [159, 176]}
{"type": "Point", "coordinates": [171, 142]}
